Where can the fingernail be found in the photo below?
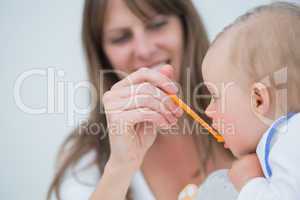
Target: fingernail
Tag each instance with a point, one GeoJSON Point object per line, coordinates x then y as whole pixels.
{"type": "Point", "coordinates": [173, 88]}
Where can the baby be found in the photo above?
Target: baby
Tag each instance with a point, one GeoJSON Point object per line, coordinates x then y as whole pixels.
{"type": "Point", "coordinates": [252, 71]}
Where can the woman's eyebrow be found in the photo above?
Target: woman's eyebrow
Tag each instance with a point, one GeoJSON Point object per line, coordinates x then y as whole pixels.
{"type": "Point", "coordinates": [116, 29]}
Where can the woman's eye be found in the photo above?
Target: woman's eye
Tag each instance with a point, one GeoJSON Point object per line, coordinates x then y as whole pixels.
{"type": "Point", "coordinates": [156, 24]}
{"type": "Point", "coordinates": [121, 39]}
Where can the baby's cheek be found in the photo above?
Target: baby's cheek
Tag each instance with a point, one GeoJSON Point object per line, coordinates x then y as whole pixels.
{"type": "Point", "coordinates": [224, 124]}
{"type": "Point", "coordinates": [230, 126]}
{"type": "Point", "coordinates": [233, 144]}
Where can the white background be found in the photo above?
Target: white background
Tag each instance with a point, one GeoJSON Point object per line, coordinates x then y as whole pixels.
{"type": "Point", "coordinates": [38, 34]}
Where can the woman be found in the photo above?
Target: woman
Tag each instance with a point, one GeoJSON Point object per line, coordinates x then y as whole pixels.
{"type": "Point", "coordinates": [134, 38]}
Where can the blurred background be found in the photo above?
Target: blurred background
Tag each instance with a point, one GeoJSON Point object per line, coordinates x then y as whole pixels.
{"type": "Point", "coordinates": [42, 82]}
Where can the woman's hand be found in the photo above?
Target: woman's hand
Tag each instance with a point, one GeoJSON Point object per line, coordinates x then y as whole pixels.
{"type": "Point", "coordinates": [135, 107]}
{"type": "Point", "coordinates": [245, 169]}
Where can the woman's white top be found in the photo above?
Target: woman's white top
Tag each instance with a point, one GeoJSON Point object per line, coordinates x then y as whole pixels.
{"type": "Point", "coordinates": [81, 182]}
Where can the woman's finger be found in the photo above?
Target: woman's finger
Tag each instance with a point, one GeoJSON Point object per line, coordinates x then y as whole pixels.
{"type": "Point", "coordinates": [140, 115]}
{"type": "Point", "coordinates": [151, 76]}
{"type": "Point", "coordinates": [140, 101]}
{"type": "Point", "coordinates": [146, 89]}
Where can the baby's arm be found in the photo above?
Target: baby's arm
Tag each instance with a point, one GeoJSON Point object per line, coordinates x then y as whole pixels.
{"type": "Point", "coordinates": [285, 164]}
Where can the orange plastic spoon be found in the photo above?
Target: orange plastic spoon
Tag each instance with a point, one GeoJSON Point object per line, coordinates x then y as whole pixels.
{"type": "Point", "coordinates": [197, 118]}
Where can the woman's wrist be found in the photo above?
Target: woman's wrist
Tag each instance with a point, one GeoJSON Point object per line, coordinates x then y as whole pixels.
{"type": "Point", "coordinates": [129, 168]}
{"type": "Point", "coordinates": [115, 181]}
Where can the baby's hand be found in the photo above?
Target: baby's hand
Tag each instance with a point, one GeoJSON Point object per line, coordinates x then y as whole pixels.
{"type": "Point", "coordinates": [245, 169]}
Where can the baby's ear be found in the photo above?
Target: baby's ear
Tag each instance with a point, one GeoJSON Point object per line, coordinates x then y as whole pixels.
{"type": "Point", "coordinates": [260, 99]}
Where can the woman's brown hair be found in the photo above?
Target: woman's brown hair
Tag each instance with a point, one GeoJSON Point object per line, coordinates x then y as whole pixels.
{"type": "Point", "coordinates": [81, 141]}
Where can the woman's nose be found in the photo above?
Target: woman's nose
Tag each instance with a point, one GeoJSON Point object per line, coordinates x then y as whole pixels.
{"type": "Point", "coordinates": [144, 47]}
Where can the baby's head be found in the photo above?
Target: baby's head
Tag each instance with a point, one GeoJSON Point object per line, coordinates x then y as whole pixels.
{"type": "Point", "coordinates": [252, 71]}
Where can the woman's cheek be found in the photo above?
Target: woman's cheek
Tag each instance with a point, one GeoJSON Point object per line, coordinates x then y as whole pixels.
{"type": "Point", "coordinates": [119, 57]}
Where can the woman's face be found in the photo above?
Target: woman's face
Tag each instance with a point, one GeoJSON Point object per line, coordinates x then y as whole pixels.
{"type": "Point", "coordinates": [130, 43]}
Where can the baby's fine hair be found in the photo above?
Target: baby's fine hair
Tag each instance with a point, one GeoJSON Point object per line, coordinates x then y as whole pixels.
{"type": "Point", "coordinates": [265, 45]}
